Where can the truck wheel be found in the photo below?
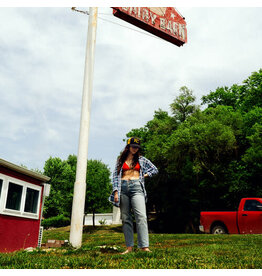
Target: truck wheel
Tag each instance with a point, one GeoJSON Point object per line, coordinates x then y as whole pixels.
{"type": "Point", "coordinates": [218, 229]}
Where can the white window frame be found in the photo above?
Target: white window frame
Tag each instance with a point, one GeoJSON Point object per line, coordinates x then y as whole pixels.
{"type": "Point", "coordinates": [1, 189]}
{"type": "Point", "coordinates": [18, 213]}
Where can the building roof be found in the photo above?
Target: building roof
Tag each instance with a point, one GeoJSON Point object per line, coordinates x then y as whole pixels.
{"type": "Point", "coordinates": [22, 170]}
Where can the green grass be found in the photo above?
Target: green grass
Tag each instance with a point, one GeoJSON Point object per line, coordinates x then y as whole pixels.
{"type": "Point", "coordinates": [101, 248]}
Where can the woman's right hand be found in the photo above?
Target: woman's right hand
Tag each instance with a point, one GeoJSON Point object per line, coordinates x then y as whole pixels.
{"type": "Point", "coordinates": [116, 196]}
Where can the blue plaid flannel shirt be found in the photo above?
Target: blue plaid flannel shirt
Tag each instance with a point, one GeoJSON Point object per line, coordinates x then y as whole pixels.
{"type": "Point", "coordinates": [146, 167]}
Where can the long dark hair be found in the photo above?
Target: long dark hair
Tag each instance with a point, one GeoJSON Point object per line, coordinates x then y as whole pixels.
{"type": "Point", "coordinates": [123, 156]}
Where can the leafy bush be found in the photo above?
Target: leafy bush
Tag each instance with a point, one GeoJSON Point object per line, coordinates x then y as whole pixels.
{"type": "Point", "coordinates": [102, 222]}
{"type": "Point", "coordinates": [58, 221]}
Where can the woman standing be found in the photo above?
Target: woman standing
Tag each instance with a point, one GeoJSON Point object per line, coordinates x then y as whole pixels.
{"type": "Point", "coordinates": [129, 192]}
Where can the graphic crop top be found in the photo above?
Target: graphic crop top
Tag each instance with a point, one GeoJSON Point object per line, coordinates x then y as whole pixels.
{"type": "Point", "coordinates": [126, 167]}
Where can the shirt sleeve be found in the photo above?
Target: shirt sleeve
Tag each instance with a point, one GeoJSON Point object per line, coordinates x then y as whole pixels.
{"type": "Point", "coordinates": [115, 178]}
{"type": "Point", "coordinates": [150, 168]}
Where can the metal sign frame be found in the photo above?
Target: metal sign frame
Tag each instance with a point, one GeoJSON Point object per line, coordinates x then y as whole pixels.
{"type": "Point", "coordinates": [165, 22]}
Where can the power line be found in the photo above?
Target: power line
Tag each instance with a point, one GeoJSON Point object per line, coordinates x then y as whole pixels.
{"type": "Point", "coordinates": [86, 13]}
{"type": "Point", "coordinates": [128, 28]}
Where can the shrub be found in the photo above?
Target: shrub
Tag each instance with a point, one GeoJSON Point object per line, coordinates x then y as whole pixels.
{"type": "Point", "coordinates": [102, 222]}
{"type": "Point", "coordinates": [58, 221]}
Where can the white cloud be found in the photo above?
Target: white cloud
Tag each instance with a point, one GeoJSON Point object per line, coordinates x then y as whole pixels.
{"type": "Point", "coordinates": [42, 52]}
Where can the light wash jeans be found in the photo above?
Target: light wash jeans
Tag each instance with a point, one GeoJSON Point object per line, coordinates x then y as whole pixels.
{"type": "Point", "coordinates": [132, 196]}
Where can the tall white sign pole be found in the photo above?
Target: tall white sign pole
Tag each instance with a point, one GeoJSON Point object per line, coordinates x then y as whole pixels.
{"type": "Point", "coordinates": [76, 229]}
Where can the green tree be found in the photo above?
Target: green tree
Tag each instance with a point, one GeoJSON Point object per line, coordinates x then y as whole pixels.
{"type": "Point", "coordinates": [251, 91]}
{"type": "Point", "coordinates": [62, 180]}
{"type": "Point", "coordinates": [228, 96]}
{"type": "Point", "coordinates": [208, 142]}
{"type": "Point", "coordinates": [253, 160]}
{"type": "Point", "coordinates": [98, 187]}
{"type": "Point", "coordinates": [62, 174]}
{"type": "Point", "coordinates": [183, 105]}
{"type": "Point", "coordinates": [243, 97]}
{"type": "Point", "coordinates": [244, 176]}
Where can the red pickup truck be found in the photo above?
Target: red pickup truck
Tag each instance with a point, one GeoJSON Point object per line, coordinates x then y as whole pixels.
{"type": "Point", "coordinates": [247, 220]}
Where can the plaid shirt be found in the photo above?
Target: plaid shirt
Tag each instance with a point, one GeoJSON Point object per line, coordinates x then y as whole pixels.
{"type": "Point", "coordinates": [146, 167]}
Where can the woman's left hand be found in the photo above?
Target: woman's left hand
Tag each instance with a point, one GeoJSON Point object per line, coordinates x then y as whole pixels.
{"type": "Point", "coordinates": [116, 197]}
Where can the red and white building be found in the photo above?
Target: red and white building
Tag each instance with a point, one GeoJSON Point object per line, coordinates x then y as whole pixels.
{"type": "Point", "coordinates": [22, 194]}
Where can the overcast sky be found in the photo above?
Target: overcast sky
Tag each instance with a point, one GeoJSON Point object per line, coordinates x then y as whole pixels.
{"type": "Point", "coordinates": [42, 53]}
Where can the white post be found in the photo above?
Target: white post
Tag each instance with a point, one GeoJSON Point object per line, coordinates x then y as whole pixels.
{"type": "Point", "coordinates": [78, 206]}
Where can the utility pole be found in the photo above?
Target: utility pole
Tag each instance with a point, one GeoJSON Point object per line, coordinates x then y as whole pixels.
{"type": "Point", "coordinates": [78, 206]}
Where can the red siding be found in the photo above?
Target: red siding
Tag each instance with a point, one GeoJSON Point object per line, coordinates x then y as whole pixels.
{"type": "Point", "coordinates": [18, 233]}
{"type": "Point", "coordinates": [20, 176]}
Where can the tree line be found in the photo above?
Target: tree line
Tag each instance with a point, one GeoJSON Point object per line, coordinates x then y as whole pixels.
{"type": "Point", "coordinates": [208, 158]}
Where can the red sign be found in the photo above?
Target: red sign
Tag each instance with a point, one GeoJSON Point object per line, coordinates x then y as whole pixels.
{"type": "Point", "coordinates": [165, 22]}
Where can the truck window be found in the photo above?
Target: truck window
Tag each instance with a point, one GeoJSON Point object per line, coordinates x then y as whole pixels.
{"type": "Point", "coordinates": [251, 205]}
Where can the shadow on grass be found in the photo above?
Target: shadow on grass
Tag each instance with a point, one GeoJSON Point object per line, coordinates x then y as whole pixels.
{"type": "Point", "coordinates": [98, 229]}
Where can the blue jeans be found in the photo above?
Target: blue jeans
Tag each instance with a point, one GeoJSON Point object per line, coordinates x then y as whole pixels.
{"type": "Point", "coordinates": [132, 196]}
